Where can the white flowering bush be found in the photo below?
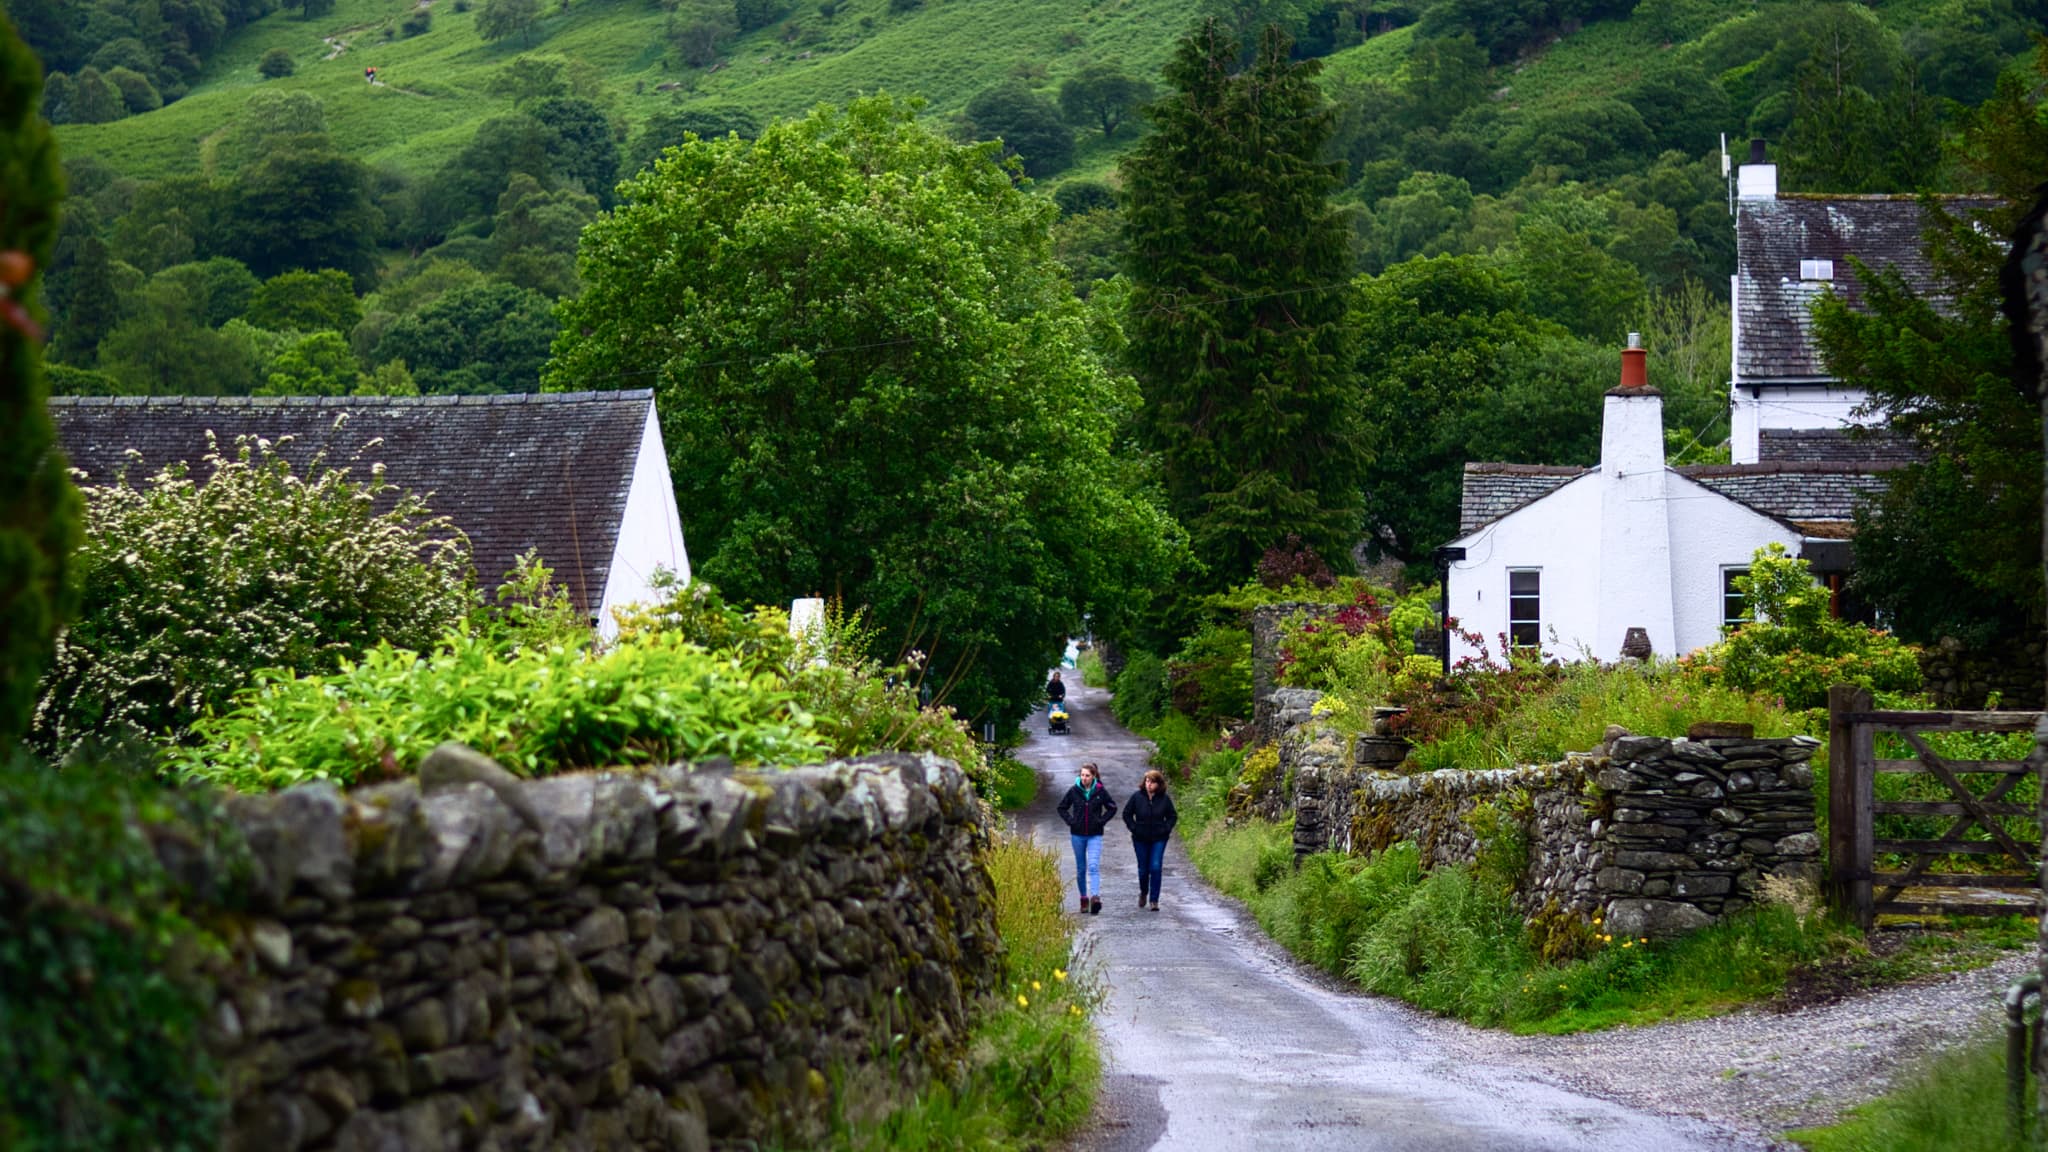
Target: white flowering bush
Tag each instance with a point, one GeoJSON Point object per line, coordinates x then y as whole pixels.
{"type": "Point", "coordinates": [191, 585]}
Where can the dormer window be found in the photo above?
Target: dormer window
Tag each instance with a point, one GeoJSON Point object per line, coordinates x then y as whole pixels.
{"type": "Point", "coordinates": [1816, 269]}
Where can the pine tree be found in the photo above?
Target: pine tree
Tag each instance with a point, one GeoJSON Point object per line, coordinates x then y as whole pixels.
{"type": "Point", "coordinates": [39, 509]}
{"type": "Point", "coordinates": [1238, 266]}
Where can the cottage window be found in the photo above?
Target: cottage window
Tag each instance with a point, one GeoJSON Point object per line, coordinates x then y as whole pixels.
{"type": "Point", "coordinates": [1734, 605]}
{"type": "Point", "coordinates": [1525, 608]}
{"type": "Point", "coordinates": [1816, 269]}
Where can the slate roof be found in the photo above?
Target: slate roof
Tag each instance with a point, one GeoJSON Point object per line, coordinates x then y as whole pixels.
{"type": "Point", "coordinates": [1816, 497]}
{"type": "Point", "coordinates": [1494, 490]}
{"type": "Point", "coordinates": [548, 471]}
{"type": "Point", "coordinates": [1774, 340]}
{"type": "Point", "coordinates": [1834, 446]}
{"type": "Point", "coordinates": [1802, 494]}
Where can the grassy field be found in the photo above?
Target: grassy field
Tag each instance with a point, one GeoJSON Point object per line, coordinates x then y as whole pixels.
{"type": "Point", "coordinates": [433, 87]}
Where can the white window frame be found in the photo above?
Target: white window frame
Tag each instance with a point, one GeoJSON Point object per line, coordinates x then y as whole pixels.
{"type": "Point", "coordinates": [1816, 269]}
{"type": "Point", "coordinates": [1535, 624]}
{"type": "Point", "coordinates": [1728, 573]}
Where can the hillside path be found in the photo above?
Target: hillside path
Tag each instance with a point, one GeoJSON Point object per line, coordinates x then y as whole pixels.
{"type": "Point", "coordinates": [1214, 1039]}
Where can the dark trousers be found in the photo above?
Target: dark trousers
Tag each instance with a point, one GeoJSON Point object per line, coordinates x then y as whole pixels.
{"type": "Point", "coordinates": [1151, 863]}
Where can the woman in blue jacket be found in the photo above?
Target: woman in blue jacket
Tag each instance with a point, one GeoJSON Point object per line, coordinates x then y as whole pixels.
{"type": "Point", "coordinates": [1087, 809]}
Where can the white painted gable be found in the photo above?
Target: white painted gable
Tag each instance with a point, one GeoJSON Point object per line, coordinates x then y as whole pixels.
{"type": "Point", "coordinates": [650, 532]}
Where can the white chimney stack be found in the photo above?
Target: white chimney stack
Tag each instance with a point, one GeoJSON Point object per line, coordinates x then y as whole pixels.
{"type": "Point", "coordinates": [1758, 179]}
{"type": "Point", "coordinates": [1635, 517]}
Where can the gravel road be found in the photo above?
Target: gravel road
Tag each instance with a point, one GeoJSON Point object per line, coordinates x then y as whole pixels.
{"type": "Point", "coordinates": [1215, 1039]}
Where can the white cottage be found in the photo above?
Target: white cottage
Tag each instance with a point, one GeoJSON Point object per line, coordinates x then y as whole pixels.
{"type": "Point", "coordinates": [1567, 560]}
{"type": "Point", "coordinates": [580, 477]}
{"type": "Point", "coordinates": [1790, 248]}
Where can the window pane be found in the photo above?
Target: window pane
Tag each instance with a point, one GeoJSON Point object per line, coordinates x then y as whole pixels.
{"type": "Point", "coordinates": [1734, 605]}
{"type": "Point", "coordinates": [1524, 583]}
{"type": "Point", "coordinates": [1524, 635]}
{"type": "Point", "coordinates": [1525, 609]}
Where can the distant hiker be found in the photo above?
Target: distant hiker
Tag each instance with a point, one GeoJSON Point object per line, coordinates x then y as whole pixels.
{"type": "Point", "coordinates": [1055, 689]}
{"type": "Point", "coordinates": [1150, 816]}
{"type": "Point", "coordinates": [369, 75]}
{"type": "Point", "coordinates": [1087, 809]}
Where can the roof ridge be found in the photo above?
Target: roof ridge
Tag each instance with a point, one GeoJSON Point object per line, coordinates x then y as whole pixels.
{"type": "Point", "coordinates": [1790, 467]}
{"type": "Point", "coordinates": [621, 395]}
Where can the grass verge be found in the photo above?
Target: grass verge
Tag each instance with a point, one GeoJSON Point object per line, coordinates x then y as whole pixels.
{"type": "Point", "coordinates": [1093, 673]}
{"type": "Point", "coordinates": [1032, 1062]}
{"type": "Point", "coordinates": [1448, 940]}
{"type": "Point", "coordinates": [1016, 783]}
{"type": "Point", "coordinates": [1955, 1102]}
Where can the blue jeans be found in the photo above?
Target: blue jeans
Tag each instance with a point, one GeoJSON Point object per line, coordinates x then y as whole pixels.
{"type": "Point", "coordinates": [1088, 864]}
{"type": "Point", "coordinates": [1151, 863]}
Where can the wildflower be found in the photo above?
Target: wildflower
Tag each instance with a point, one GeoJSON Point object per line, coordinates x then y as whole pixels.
{"type": "Point", "coordinates": [1022, 1002]}
{"type": "Point", "coordinates": [1059, 974]}
{"type": "Point", "coordinates": [1036, 987]}
{"type": "Point", "coordinates": [1628, 943]}
{"type": "Point", "coordinates": [1075, 1009]}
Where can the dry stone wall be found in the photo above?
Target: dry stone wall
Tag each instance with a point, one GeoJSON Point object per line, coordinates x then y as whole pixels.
{"type": "Point", "coordinates": [1659, 836]}
{"type": "Point", "coordinates": [665, 960]}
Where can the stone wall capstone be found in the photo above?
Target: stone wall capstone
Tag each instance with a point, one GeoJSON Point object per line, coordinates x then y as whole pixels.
{"type": "Point", "coordinates": [670, 959]}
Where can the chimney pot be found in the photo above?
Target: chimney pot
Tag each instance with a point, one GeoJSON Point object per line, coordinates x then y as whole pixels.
{"type": "Point", "coordinates": [1635, 367]}
{"type": "Point", "coordinates": [1756, 150]}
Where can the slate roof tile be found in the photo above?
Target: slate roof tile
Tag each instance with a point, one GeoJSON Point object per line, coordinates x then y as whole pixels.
{"type": "Point", "coordinates": [547, 471]}
{"type": "Point", "coordinates": [1793, 491]}
{"type": "Point", "coordinates": [1834, 446]}
{"type": "Point", "coordinates": [1774, 337]}
{"type": "Point", "coordinates": [1493, 490]}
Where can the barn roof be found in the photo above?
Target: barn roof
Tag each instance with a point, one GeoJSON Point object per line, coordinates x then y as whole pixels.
{"type": "Point", "coordinates": [545, 471]}
{"type": "Point", "coordinates": [1774, 327]}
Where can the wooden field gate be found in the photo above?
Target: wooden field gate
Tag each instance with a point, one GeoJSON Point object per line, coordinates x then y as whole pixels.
{"type": "Point", "coordinates": [1855, 886]}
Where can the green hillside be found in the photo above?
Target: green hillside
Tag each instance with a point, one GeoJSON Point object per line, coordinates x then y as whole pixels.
{"type": "Point", "coordinates": [433, 94]}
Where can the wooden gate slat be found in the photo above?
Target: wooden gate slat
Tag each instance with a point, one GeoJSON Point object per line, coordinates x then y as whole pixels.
{"type": "Point", "coordinates": [1948, 808]}
{"type": "Point", "coordinates": [1974, 806]}
{"type": "Point", "coordinates": [1942, 847]}
{"type": "Point", "coordinates": [1998, 767]}
{"type": "Point", "coordinates": [1903, 722]}
{"type": "Point", "coordinates": [1959, 879]}
{"type": "Point", "coordinates": [1921, 908]}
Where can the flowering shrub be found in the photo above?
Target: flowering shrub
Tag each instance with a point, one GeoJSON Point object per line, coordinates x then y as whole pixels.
{"type": "Point", "coordinates": [187, 587]}
{"type": "Point", "coordinates": [1795, 648]}
{"type": "Point", "coordinates": [1364, 652]}
{"type": "Point", "coordinates": [1211, 675]}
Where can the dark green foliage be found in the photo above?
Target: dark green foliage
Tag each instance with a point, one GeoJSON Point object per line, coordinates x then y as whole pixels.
{"type": "Point", "coordinates": [753, 14]}
{"type": "Point", "coordinates": [1102, 96]}
{"type": "Point", "coordinates": [101, 1009]}
{"type": "Point", "coordinates": [502, 19]}
{"type": "Point", "coordinates": [1077, 196]}
{"type": "Point", "coordinates": [39, 510]}
{"type": "Point", "coordinates": [418, 23]}
{"type": "Point", "coordinates": [84, 302]}
{"type": "Point", "coordinates": [1506, 28]}
{"type": "Point", "coordinates": [1954, 546]}
{"type": "Point", "coordinates": [305, 302]}
{"type": "Point", "coordinates": [1680, 109]}
{"type": "Point", "coordinates": [1453, 370]}
{"type": "Point", "coordinates": [137, 93]}
{"type": "Point", "coordinates": [276, 64]}
{"type": "Point", "coordinates": [1142, 695]}
{"type": "Point", "coordinates": [490, 337]}
{"type": "Point", "coordinates": [303, 205]}
{"type": "Point", "coordinates": [1211, 675]}
{"type": "Point", "coordinates": [1027, 124]}
{"type": "Point", "coordinates": [581, 149]}
{"type": "Point", "coordinates": [221, 289]}
{"type": "Point", "coordinates": [666, 129]}
{"type": "Point", "coordinates": [165, 44]}
{"type": "Point", "coordinates": [311, 8]}
{"type": "Point", "coordinates": [1236, 323]}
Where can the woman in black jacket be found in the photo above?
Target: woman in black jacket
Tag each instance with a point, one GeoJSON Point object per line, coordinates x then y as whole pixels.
{"type": "Point", "coordinates": [1087, 809]}
{"type": "Point", "coordinates": [1150, 816]}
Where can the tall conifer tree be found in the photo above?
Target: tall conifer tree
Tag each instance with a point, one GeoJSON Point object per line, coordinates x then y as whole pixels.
{"type": "Point", "coordinates": [1238, 267]}
{"type": "Point", "coordinates": [39, 509]}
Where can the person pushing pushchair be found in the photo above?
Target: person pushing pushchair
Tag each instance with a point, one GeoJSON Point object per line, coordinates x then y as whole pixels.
{"type": "Point", "coordinates": [1056, 706]}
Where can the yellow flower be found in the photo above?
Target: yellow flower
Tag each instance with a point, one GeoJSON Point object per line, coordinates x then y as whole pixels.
{"type": "Point", "coordinates": [1036, 987]}
{"type": "Point", "coordinates": [1074, 1008]}
{"type": "Point", "coordinates": [1023, 1003]}
{"type": "Point", "coordinates": [1628, 943]}
{"type": "Point", "coordinates": [1059, 973]}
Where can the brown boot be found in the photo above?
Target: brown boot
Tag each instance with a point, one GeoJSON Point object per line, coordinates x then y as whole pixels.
{"type": "Point", "coordinates": [1095, 905]}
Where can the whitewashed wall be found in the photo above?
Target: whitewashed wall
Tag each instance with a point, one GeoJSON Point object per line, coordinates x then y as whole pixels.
{"type": "Point", "coordinates": [1806, 406]}
{"type": "Point", "coordinates": [1710, 533]}
{"type": "Point", "coordinates": [650, 535]}
{"type": "Point", "coordinates": [1559, 534]}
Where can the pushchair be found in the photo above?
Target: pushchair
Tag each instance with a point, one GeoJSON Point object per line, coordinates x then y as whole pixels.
{"type": "Point", "coordinates": [1056, 719]}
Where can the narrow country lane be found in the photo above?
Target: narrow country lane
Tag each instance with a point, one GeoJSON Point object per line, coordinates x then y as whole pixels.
{"type": "Point", "coordinates": [1214, 1039]}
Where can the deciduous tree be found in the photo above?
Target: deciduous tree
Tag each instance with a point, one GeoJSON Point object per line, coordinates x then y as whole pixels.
{"type": "Point", "coordinates": [875, 385]}
{"type": "Point", "coordinates": [1102, 95]}
{"type": "Point", "coordinates": [1026, 123]}
{"type": "Point", "coordinates": [306, 302]}
{"type": "Point", "coordinates": [503, 19]}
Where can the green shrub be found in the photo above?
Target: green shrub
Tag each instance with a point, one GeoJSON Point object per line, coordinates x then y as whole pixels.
{"type": "Point", "coordinates": [1176, 740]}
{"type": "Point", "coordinates": [1450, 940]}
{"type": "Point", "coordinates": [1795, 648]}
{"type": "Point", "coordinates": [276, 64]}
{"type": "Point", "coordinates": [1093, 673]}
{"type": "Point", "coordinates": [190, 586]}
{"type": "Point", "coordinates": [100, 1013]}
{"type": "Point", "coordinates": [1015, 783]}
{"type": "Point", "coordinates": [1141, 691]}
{"type": "Point", "coordinates": [654, 699]}
{"type": "Point", "coordinates": [1207, 791]}
{"type": "Point", "coordinates": [1211, 674]}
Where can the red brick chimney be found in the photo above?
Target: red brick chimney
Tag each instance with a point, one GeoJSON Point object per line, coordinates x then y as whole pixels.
{"type": "Point", "coordinates": [1635, 364]}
